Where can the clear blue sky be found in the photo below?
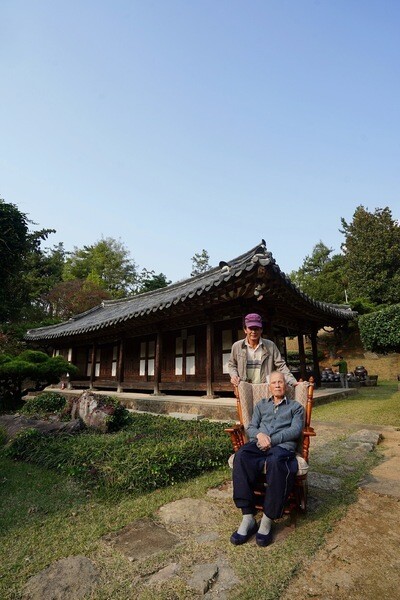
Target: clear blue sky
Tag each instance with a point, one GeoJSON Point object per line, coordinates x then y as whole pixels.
{"type": "Point", "coordinates": [177, 125]}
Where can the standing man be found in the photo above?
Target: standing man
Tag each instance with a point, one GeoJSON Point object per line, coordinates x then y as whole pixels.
{"type": "Point", "coordinates": [342, 364]}
{"type": "Point", "coordinates": [254, 358]}
{"type": "Point", "coordinates": [274, 432]}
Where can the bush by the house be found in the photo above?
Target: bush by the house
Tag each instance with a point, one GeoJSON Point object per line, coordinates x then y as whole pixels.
{"type": "Point", "coordinates": [44, 403]}
{"type": "Point", "coordinates": [380, 330]}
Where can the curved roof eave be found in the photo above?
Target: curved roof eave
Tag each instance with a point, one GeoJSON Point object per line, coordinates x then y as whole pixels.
{"type": "Point", "coordinates": [113, 312]}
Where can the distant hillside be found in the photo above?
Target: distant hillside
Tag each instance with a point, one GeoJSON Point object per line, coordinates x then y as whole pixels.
{"type": "Point", "coordinates": [386, 366]}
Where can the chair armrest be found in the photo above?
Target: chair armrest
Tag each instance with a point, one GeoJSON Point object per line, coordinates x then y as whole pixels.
{"type": "Point", "coordinates": [309, 431]}
{"type": "Point", "coordinates": [237, 435]}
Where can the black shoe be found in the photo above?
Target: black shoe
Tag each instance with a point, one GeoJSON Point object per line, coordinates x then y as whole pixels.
{"type": "Point", "coordinates": [238, 539]}
{"type": "Point", "coordinates": [264, 539]}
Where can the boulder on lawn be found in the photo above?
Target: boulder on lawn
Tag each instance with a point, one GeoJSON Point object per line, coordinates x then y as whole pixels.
{"type": "Point", "coordinates": [94, 410]}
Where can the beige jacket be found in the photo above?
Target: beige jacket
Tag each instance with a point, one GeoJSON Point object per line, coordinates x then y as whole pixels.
{"type": "Point", "coordinates": [271, 360]}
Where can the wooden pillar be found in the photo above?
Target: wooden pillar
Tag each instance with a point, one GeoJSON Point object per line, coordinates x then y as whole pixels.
{"type": "Point", "coordinates": [210, 360]}
{"type": "Point", "coordinates": [285, 350]}
{"type": "Point", "coordinates": [93, 365]}
{"type": "Point", "coordinates": [157, 364]}
{"type": "Point", "coordinates": [302, 357]}
{"type": "Point", "coordinates": [267, 330]}
{"type": "Point", "coordinates": [314, 346]}
{"type": "Point", "coordinates": [120, 365]}
{"type": "Point", "coordinates": [72, 361]}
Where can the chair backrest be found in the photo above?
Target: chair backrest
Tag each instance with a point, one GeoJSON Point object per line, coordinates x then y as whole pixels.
{"type": "Point", "coordinates": [251, 393]}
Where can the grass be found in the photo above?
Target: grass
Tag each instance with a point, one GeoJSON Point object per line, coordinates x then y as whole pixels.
{"type": "Point", "coordinates": [372, 406]}
{"type": "Point", "coordinates": [151, 452]}
{"type": "Point", "coordinates": [45, 516]}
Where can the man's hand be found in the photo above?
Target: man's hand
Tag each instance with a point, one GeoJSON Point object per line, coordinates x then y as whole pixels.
{"type": "Point", "coordinates": [235, 380]}
{"type": "Point", "coordinates": [263, 441]}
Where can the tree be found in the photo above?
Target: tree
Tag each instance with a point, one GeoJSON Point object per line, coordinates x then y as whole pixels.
{"type": "Point", "coordinates": [14, 245]}
{"type": "Point", "coordinates": [43, 269]}
{"type": "Point", "coordinates": [69, 298]}
{"type": "Point", "coordinates": [148, 281]}
{"type": "Point", "coordinates": [26, 270]}
{"type": "Point", "coordinates": [321, 276]}
{"type": "Point", "coordinates": [32, 367]}
{"type": "Point", "coordinates": [372, 256]}
{"type": "Point", "coordinates": [106, 263]}
{"type": "Point", "coordinates": [200, 263]}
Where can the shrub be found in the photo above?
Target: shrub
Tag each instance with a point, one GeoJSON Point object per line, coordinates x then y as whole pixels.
{"type": "Point", "coordinates": [380, 330]}
{"type": "Point", "coordinates": [44, 403]}
{"type": "Point", "coordinates": [121, 416]}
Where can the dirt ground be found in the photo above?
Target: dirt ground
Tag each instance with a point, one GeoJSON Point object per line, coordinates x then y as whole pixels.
{"type": "Point", "coordinates": [361, 559]}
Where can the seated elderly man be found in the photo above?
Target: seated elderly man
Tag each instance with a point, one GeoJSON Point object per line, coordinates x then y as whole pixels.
{"type": "Point", "coordinates": [274, 432]}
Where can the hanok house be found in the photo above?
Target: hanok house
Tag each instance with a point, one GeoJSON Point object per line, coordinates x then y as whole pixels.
{"type": "Point", "coordinates": [178, 338]}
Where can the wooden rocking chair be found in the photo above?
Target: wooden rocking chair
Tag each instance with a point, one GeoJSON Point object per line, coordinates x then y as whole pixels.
{"type": "Point", "coordinates": [247, 396]}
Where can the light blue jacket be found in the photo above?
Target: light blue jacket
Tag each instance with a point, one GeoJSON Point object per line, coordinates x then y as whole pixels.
{"type": "Point", "coordinates": [283, 423]}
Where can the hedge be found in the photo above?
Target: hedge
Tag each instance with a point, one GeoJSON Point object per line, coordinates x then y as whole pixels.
{"type": "Point", "coordinates": [380, 330]}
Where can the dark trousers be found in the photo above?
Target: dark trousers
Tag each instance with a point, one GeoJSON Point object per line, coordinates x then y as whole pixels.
{"type": "Point", "coordinates": [280, 476]}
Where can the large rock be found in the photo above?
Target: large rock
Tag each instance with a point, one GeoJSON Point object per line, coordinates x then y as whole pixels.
{"type": "Point", "coordinates": [93, 409]}
{"type": "Point", "coordinates": [13, 424]}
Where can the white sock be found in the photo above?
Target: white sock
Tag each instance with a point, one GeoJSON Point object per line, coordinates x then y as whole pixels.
{"type": "Point", "coordinates": [246, 524]}
{"type": "Point", "coordinates": [265, 525]}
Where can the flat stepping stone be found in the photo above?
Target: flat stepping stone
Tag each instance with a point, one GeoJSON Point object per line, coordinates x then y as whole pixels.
{"type": "Point", "coordinates": [141, 539]}
{"type": "Point", "coordinates": [70, 578]}
{"type": "Point", "coordinates": [164, 574]}
{"type": "Point", "coordinates": [328, 483]}
{"type": "Point", "coordinates": [191, 513]}
{"type": "Point", "coordinates": [365, 436]}
{"type": "Point", "coordinates": [226, 580]}
{"type": "Point", "coordinates": [203, 577]}
{"type": "Point", "coordinates": [223, 492]}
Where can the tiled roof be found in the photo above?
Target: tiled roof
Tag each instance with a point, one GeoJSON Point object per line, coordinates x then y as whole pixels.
{"type": "Point", "coordinates": [113, 312]}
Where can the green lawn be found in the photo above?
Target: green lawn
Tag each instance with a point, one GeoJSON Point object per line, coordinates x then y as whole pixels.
{"type": "Point", "coordinates": [378, 405]}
